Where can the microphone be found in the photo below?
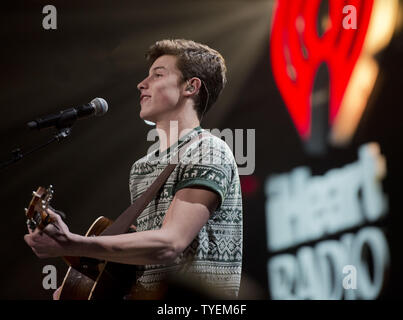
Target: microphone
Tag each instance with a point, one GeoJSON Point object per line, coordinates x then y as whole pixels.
{"type": "Point", "coordinates": [66, 118]}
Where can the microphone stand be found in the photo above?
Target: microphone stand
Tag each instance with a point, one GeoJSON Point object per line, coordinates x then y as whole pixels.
{"type": "Point", "coordinates": [17, 155]}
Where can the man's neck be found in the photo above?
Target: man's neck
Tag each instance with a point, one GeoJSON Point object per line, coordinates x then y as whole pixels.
{"type": "Point", "coordinates": [171, 131]}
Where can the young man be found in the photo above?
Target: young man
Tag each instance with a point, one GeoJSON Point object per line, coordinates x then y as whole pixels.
{"type": "Point", "coordinates": [193, 226]}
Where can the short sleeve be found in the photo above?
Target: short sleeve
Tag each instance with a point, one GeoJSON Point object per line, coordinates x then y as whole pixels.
{"type": "Point", "coordinates": [208, 162]}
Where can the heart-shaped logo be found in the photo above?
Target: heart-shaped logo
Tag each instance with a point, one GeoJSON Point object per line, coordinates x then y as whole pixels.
{"type": "Point", "coordinates": [298, 50]}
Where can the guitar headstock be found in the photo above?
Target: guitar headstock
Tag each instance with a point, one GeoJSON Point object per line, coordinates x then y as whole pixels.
{"type": "Point", "coordinates": [36, 214]}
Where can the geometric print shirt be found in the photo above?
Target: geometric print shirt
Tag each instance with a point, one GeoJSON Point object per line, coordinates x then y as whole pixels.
{"type": "Point", "coordinates": [214, 257]}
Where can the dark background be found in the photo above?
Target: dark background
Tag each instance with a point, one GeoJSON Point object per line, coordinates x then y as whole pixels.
{"type": "Point", "coordinates": [98, 51]}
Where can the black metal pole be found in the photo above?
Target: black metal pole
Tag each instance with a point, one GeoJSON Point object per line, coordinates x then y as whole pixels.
{"type": "Point", "coordinates": [18, 155]}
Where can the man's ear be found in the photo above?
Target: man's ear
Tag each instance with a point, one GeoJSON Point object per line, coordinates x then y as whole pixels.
{"type": "Point", "coordinates": [193, 86]}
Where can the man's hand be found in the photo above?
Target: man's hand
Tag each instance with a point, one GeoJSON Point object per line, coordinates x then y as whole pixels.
{"type": "Point", "coordinates": [186, 215]}
{"type": "Point", "coordinates": [53, 241]}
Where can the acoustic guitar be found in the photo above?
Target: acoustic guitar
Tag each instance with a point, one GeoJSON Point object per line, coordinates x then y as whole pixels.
{"type": "Point", "coordinates": [89, 278]}
{"type": "Point", "coordinates": [86, 278]}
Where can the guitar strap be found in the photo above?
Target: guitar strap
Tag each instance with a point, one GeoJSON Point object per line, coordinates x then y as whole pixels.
{"type": "Point", "coordinates": [123, 223]}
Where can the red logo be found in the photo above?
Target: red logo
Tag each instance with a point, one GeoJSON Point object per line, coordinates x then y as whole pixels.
{"type": "Point", "coordinates": [297, 51]}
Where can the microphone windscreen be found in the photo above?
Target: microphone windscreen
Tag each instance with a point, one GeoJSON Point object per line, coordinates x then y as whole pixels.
{"type": "Point", "coordinates": [100, 105]}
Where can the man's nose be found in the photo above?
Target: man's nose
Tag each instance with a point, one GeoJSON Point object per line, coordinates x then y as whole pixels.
{"type": "Point", "coordinates": [142, 84]}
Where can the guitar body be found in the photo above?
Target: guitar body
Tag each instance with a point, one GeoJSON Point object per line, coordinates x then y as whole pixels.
{"type": "Point", "coordinates": [90, 279]}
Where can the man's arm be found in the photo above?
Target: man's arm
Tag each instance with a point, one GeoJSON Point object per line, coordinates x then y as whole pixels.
{"type": "Point", "coordinates": [188, 212]}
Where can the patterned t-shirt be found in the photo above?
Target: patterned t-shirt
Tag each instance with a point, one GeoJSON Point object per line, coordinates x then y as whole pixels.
{"type": "Point", "coordinates": [215, 255]}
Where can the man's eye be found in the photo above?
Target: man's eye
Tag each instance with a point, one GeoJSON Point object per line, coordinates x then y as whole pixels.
{"type": "Point", "coordinates": [158, 75]}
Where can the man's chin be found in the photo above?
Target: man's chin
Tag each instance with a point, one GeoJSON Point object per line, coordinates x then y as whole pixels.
{"type": "Point", "coordinates": [147, 119]}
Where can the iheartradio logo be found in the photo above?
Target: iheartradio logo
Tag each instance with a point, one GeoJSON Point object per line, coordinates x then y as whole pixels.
{"type": "Point", "coordinates": [322, 61]}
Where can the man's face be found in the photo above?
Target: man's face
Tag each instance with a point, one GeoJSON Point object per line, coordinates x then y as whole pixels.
{"type": "Point", "coordinates": [161, 91]}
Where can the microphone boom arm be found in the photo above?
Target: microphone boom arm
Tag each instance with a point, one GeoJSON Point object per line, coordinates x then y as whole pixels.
{"type": "Point", "coordinates": [17, 155]}
{"type": "Point", "coordinates": [63, 121]}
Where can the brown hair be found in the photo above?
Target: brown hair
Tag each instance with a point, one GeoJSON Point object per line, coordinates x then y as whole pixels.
{"type": "Point", "coordinates": [195, 60]}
